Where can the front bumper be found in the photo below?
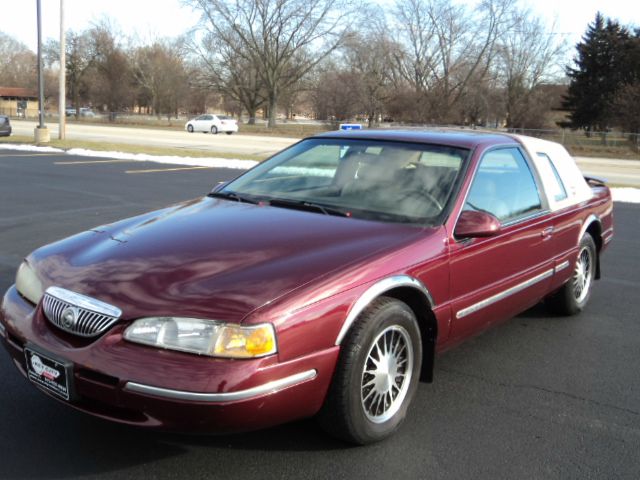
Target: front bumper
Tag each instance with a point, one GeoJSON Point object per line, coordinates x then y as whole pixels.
{"type": "Point", "coordinates": [155, 388]}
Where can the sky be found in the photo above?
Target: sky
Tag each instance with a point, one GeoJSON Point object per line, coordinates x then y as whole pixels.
{"type": "Point", "coordinates": [148, 19]}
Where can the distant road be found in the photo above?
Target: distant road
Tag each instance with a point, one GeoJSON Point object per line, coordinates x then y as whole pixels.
{"type": "Point", "coordinates": [617, 172]}
{"type": "Point", "coordinates": [241, 144]}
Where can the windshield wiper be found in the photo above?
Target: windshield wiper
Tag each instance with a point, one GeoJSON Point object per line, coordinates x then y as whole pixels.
{"type": "Point", "coordinates": [308, 206]}
{"type": "Point", "coordinates": [233, 196]}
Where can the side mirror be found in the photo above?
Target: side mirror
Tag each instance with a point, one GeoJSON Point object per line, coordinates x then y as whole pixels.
{"type": "Point", "coordinates": [473, 223]}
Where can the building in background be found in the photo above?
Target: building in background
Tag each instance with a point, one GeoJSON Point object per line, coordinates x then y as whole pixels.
{"type": "Point", "coordinates": [18, 102]}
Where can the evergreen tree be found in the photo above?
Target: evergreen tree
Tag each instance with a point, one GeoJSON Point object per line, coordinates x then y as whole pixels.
{"type": "Point", "coordinates": [601, 68]}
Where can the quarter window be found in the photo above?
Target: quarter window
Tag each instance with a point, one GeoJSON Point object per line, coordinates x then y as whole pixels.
{"type": "Point", "coordinates": [555, 184]}
{"type": "Point", "coordinates": [504, 186]}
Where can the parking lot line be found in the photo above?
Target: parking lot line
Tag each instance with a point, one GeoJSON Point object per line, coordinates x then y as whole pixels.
{"type": "Point", "coordinates": [24, 155]}
{"type": "Point", "coordinates": [92, 161]}
{"type": "Point", "coordinates": [154, 170]}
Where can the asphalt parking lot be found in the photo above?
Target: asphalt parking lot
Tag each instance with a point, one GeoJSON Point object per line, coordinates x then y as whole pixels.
{"type": "Point", "coordinates": [538, 397]}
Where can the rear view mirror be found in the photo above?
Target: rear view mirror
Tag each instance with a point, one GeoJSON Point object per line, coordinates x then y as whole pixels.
{"type": "Point", "coordinates": [473, 223]}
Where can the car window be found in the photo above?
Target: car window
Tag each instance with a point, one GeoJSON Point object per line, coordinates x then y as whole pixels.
{"type": "Point", "coordinates": [370, 179]}
{"type": "Point", "coordinates": [504, 186]}
{"type": "Point", "coordinates": [223, 117]}
{"type": "Point", "coordinates": [313, 168]}
{"type": "Point", "coordinates": [555, 183]}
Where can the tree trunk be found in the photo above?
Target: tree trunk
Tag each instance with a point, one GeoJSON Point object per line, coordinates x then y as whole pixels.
{"type": "Point", "coordinates": [273, 107]}
{"type": "Point", "coordinates": [252, 115]}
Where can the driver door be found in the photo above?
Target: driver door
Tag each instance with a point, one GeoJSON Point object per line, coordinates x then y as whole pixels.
{"type": "Point", "coordinates": [496, 277]}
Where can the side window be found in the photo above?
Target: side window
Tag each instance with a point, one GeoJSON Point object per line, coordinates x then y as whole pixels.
{"type": "Point", "coordinates": [504, 186]}
{"type": "Point", "coordinates": [555, 184]}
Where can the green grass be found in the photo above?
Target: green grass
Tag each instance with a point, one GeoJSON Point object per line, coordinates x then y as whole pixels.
{"type": "Point", "coordinates": [128, 148]}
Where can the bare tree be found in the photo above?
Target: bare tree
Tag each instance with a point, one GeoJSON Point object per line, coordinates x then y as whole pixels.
{"type": "Point", "coordinates": [112, 79]}
{"type": "Point", "coordinates": [529, 55]}
{"type": "Point", "coordinates": [447, 46]}
{"type": "Point", "coordinates": [627, 109]}
{"type": "Point", "coordinates": [161, 75]}
{"type": "Point", "coordinates": [17, 63]}
{"type": "Point", "coordinates": [285, 39]}
{"type": "Point", "coordinates": [369, 57]}
{"type": "Point", "coordinates": [221, 69]}
{"type": "Point", "coordinates": [336, 94]}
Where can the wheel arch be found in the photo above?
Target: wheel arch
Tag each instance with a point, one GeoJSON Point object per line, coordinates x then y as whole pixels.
{"type": "Point", "coordinates": [593, 227]}
{"type": "Point", "coordinates": [415, 294]}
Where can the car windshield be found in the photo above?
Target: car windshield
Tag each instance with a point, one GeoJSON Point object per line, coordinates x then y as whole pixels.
{"type": "Point", "coordinates": [377, 180]}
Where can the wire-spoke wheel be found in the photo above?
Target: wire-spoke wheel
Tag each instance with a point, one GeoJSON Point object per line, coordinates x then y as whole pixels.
{"type": "Point", "coordinates": [386, 374]}
{"type": "Point", "coordinates": [573, 296]}
{"type": "Point", "coordinates": [376, 375]}
{"type": "Point", "coordinates": [582, 274]}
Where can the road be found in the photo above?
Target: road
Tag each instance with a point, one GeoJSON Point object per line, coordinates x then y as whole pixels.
{"type": "Point", "coordinates": [240, 144]}
{"type": "Point", "coordinates": [538, 397]}
{"type": "Point", "coordinates": [617, 172]}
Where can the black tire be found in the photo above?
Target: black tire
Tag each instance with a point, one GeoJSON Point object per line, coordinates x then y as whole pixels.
{"type": "Point", "coordinates": [574, 295]}
{"type": "Point", "coordinates": [214, 129]}
{"type": "Point", "coordinates": [352, 410]}
{"type": "Point", "coordinates": [190, 128]}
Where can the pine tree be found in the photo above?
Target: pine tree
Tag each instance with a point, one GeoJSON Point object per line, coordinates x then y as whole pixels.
{"type": "Point", "coordinates": [600, 70]}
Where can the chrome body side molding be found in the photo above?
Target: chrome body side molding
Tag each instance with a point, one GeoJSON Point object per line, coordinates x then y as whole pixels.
{"type": "Point", "coordinates": [267, 388]}
{"type": "Point", "coordinates": [504, 294]}
{"type": "Point", "coordinates": [375, 291]}
{"type": "Point", "coordinates": [562, 266]}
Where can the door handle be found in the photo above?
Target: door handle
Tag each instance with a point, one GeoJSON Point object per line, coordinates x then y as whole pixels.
{"type": "Point", "coordinates": [546, 233]}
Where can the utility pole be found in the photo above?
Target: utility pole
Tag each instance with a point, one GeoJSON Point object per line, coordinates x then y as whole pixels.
{"type": "Point", "coordinates": [41, 132]}
{"type": "Point", "coordinates": [62, 99]}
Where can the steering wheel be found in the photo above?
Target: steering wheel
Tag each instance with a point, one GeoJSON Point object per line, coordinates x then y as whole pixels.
{"type": "Point", "coordinates": [424, 195]}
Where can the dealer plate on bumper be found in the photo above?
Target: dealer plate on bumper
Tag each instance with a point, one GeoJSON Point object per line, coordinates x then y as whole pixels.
{"type": "Point", "coordinates": [52, 375]}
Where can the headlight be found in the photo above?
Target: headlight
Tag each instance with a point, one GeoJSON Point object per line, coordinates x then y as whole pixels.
{"type": "Point", "coordinates": [28, 284]}
{"type": "Point", "coordinates": [204, 337]}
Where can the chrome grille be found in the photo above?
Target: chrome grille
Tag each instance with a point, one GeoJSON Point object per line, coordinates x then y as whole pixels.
{"type": "Point", "coordinates": [78, 314]}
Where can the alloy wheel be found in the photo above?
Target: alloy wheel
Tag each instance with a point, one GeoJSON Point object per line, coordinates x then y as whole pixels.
{"type": "Point", "coordinates": [386, 375]}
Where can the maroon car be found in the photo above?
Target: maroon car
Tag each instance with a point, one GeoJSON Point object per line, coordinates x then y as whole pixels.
{"type": "Point", "coordinates": [320, 283]}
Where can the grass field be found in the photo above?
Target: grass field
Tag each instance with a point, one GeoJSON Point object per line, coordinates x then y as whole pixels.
{"type": "Point", "coordinates": [282, 129]}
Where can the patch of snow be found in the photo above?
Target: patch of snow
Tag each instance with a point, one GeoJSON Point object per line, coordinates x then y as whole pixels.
{"type": "Point", "coordinates": [173, 160]}
{"type": "Point", "coordinates": [626, 194]}
{"type": "Point", "coordinates": [30, 148]}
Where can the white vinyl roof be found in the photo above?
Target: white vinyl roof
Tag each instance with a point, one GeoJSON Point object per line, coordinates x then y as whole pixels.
{"type": "Point", "coordinates": [575, 185]}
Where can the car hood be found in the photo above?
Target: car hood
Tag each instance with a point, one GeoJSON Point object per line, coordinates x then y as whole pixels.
{"type": "Point", "coordinates": [211, 258]}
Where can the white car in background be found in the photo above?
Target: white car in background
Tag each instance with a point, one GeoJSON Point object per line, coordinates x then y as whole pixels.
{"type": "Point", "coordinates": [212, 123]}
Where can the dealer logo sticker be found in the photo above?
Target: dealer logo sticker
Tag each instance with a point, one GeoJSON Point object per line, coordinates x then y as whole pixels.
{"type": "Point", "coordinates": [42, 370]}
